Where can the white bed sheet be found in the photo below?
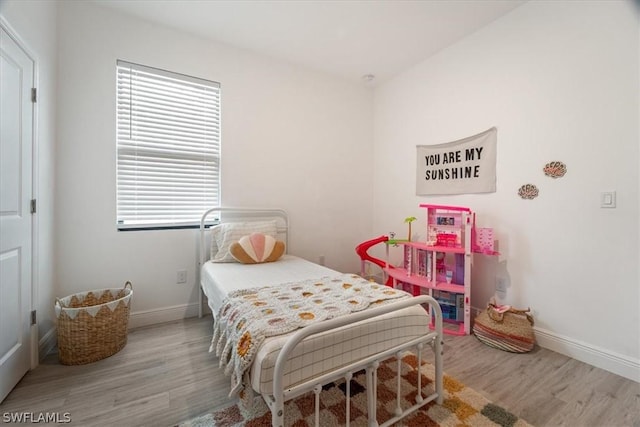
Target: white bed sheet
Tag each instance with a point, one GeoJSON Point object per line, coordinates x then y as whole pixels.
{"type": "Point", "coordinates": [220, 279]}
{"type": "Point", "coordinates": [315, 355]}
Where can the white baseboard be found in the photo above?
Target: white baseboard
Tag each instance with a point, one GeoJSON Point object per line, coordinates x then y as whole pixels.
{"type": "Point", "coordinates": [624, 366]}
{"type": "Point", "coordinates": [161, 315]}
{"type": "Point", "coordinates": [47, 343]}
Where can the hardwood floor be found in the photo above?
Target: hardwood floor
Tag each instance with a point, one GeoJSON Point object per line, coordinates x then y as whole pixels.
{"type": "Point", "coordinates": [165, 375]}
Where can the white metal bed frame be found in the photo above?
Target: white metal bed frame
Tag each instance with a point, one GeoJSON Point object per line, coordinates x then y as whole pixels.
{"type": "Point", "coordinates": [280, 395]}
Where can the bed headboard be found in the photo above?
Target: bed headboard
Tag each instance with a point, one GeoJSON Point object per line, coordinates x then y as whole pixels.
{"type": "Point", "coordinates": [221, 215]}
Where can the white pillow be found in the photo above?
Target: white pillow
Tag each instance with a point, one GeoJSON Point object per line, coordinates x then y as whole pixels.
{"type": "Point", "coordinates": [223, 235]}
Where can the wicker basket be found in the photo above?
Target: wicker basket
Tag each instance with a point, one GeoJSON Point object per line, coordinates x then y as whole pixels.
{"type": "Point", "coordinates": [92, 325]}
{"type": "Point", "coordinates": [509, 331]}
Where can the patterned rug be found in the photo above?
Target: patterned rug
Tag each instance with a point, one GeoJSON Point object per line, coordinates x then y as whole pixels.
{"type": "Point", "coordinates": [462, 406]}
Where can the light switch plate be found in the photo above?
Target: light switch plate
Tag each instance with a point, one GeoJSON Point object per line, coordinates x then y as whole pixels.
{"type": "Point", "coordinates": [608, 199]}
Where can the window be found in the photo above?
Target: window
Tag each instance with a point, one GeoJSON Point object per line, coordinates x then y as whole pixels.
{"type": "Point", "coordinates": [168, 147]}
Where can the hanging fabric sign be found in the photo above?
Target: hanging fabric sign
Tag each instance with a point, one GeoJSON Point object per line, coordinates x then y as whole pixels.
{"type": "Point", "coordinates": [459, 167]}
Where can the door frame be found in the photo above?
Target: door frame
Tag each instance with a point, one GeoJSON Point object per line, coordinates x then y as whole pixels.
{"type": "Point", "coordinates": [34, 343]}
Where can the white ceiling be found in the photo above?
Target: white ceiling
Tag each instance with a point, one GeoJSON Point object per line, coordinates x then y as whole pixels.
{"type": "Point", "coordinates": [347, 38]}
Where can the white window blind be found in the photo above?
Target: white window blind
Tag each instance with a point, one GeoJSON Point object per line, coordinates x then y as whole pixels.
{"type": "Point", "coordinates": [168, 147]}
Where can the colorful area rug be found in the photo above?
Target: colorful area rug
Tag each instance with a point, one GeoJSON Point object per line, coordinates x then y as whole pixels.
{"type": "Point", "coordinates": [462, 406]}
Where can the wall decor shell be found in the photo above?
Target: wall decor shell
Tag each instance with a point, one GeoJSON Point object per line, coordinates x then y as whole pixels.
{"type": "Point", "coordinates": [555, 169]}
{"type": "Point", "coordinates": [528, 191]}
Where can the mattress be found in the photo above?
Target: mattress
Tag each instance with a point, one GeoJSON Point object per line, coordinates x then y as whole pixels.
{"type": "Point", "coordinates": [317, 354]}
{"type": "Point", "coordinates": [221, 278]}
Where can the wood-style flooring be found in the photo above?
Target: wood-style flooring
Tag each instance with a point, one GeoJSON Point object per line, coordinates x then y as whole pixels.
{"type": "Point", "coordinates": [165, 375]}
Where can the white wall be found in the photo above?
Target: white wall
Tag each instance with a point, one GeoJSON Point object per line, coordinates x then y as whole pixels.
{"type": "Point", "coordinates": [292, 139]}
{"type": "Point", "coordinates": [35, 24]}
{"type": "Point", "coordinates": [558, 79]}
{"type": "Point", "coordinates": [560, 82]}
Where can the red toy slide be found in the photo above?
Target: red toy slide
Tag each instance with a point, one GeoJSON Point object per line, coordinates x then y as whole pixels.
{"type": "Point", "coordinates": [362, 249]}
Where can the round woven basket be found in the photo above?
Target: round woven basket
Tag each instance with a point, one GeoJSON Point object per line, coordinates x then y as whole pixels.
{"type": "Point", "coordinates": [92, 325]}
{"type": "Point", "coordinates": [513, 333]}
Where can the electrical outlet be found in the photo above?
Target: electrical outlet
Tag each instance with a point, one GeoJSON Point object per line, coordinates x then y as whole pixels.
{"type": "Point", "coordinates": [608, 199]}
{"type": "Point", "coordinates": [181, 276]}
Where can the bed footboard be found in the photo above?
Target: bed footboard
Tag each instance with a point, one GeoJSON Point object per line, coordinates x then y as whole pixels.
{"type": "Point", "coordinates": [432, 338]}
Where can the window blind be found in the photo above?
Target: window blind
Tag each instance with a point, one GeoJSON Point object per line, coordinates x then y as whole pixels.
{"type": "Point", "coordinates": [168, 147]}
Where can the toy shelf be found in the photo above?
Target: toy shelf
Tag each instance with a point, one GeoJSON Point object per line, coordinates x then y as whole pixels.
{"type": "Point", "coordinates": [439, 266]}
{"type": "Point", "coordinates": [421, 245]}
{"type": "Point", "coordinates": [402, 275]}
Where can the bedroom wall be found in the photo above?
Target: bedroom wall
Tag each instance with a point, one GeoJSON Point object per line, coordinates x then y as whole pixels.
{"type": "Point", "coordinates": [35, 24]}
{"type": "Point", "coordinates": [292, 139]}
{"type": "Point", "coordinates": [560, 82]}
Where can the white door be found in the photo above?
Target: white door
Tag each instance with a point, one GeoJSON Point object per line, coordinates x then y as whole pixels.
{"type": "Point", "coordinates": [16, 147]}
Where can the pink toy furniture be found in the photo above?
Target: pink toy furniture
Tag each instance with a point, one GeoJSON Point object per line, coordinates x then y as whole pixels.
{"type": "Point", "coordinates": [441, 265]}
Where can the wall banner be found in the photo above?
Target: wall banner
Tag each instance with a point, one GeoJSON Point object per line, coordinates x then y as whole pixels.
{"type": "Point", "coordinates": [459, 167]}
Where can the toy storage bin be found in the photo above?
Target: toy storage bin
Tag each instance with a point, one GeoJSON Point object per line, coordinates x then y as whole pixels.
{"type": "Point", "coordinates": [92, 325]}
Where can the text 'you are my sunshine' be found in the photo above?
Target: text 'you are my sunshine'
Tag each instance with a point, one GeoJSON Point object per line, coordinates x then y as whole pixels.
{"type": "Point", "coordinates": [451, 159]}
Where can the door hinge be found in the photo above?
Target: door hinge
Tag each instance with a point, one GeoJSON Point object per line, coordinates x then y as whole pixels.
{"type": "Point", "coordinates": [33, 317]}
{"type": "Point", "coordinates": [34, 95]}
{"type": "Point", "coordinates": [33, 206]}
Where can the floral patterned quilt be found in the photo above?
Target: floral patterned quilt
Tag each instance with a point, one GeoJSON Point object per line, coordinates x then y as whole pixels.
{"type": "Point", "coordinates": [249, 316]}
